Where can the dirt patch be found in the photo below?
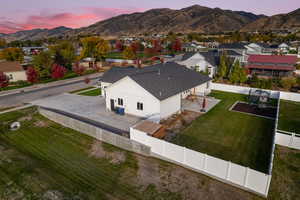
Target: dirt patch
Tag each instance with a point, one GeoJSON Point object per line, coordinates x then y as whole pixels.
{"type": "Point", "coordinates": [255, 110]}
{"type": "Point", "coordinates": [25, 118]}
{"type": "Point", "coordinates": [41, 124]}
{"type": "Point", "coordinates": [176, 179]}
{"type": "Point", "coordinates": [176, 123]}
{"type": "Point", "coordinates": [115, 157]}
{"type": "Point", "coordinates": [53, 195]}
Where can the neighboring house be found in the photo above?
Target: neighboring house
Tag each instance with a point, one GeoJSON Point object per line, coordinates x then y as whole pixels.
{"type": "Point", "coordinates": [192, 47]}
{"type": "Point", "coordinates": [238, 47]}
{"type": "Point", "coordinates": [201, 61]}
{"type": "Point", "coordinates": [271, 65]}
{"type": "Point", "coordinates": [259, 48]}
{"type": "Point", "coordinates": [233, 54]}
{"type": "Point", "coordinates": [152, 92]}
{"type": "Point", "coordinates": [284, 48]}
{"type": "Point", "coordinates": [13, 70]}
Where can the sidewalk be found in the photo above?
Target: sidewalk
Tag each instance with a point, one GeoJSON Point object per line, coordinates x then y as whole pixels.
{"type": "Point", "coordinates": [51, 84]}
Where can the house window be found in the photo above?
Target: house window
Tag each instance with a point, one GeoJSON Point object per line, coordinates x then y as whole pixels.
{"type": "Point", "coordinates": [140, 106]}
{"type": "Point", "coordinates": [10, 76]}
{"type": "Point", "coordinates": [120, 102]}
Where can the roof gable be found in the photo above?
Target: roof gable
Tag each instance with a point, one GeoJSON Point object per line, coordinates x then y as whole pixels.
{"type": "Point", "coordinates": [7, 66]}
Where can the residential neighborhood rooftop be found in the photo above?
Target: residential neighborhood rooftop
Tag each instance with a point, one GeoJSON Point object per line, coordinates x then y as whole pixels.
{"type": "Point", "coordinates": [7, 66]}
{"type": "Point", "coordinates": [161, 80]}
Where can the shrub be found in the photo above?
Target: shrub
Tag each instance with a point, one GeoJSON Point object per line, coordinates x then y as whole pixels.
{"type": "Point", "coordinates": [288, 82]}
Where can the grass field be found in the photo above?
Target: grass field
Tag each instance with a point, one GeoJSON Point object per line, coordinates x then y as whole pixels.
{"type": "Point", "coordinates": [83, 89]}
{"type": "Point", "coordinates": [237, 137]}
{"type": "Point", "coordinates": [44, 160]}
{"type": "Point", "coordinates": [95, 92]}
{"type": "Point", "coordinates": [289, 116]}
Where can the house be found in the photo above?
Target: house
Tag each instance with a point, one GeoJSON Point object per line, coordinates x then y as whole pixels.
{"type": "Point", "coordinates": [13, 70]}
{"type": "Point", "coordinates": [271, 65]}
{"type": "Point", "coordinates": [260, 48]}
{"type": "Point", "coordinates": [201, 61]}
{"type": "Point", "coordinates": [235, 56]}
{"type": "Point", "coordinates": [284, 48]}
{"type": "Point", "coordinates": [192, 47]}
{"type": "Point", "coordinates": [238, 47]}
{"type": "Point", "coordinates": [154, 92]}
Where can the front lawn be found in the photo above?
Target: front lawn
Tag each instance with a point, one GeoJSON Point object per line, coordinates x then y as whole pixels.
{"type": "Point", "coordinates": [95, 92]}
{"type": "Point", "coordinates": [232, 136]}
{"type": "Point", "coordinates": [289, 116]}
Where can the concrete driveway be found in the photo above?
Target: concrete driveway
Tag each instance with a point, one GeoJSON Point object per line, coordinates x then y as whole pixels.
{"type": "Point", "coordinates": [88, 107]}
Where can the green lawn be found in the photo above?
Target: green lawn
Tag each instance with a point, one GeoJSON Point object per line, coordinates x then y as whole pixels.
{"type": "Point", "coordinates": [289, 116]}
{"type": "Point", "coordinates": [43, 157]}
{"type": "Point", "coordinates": [95, 92]}
{"type": "Point", "coordinates": [237, 137]}
{"type": "Point", "coordinates": [80, 90]}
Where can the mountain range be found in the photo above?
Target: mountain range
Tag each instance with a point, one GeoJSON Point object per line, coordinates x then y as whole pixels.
{"type": "Point", "coordinates": [191, 19]}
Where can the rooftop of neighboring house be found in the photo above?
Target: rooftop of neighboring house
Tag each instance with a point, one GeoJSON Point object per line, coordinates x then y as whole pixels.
{"type": "Point", "coordinates": [8, 66]}
{"type": "Point", "coordinates": [236, 45]}
{"type": "Point", "coordinates": [211, 57]}
{"type": "Point", "coordinates": [276, 59]}
{"type": "Point", "coordinates": [161, 80]}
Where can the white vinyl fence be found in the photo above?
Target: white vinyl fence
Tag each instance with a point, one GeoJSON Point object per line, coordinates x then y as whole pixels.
{"type": "Point", "coordinates": [222, 170]}
{"type": "Point", "coordinates": [119, 60]}
{"type": "Point", "coordinates": [288, 139]}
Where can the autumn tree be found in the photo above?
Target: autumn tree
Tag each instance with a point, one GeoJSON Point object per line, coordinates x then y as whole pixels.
{"type": "Point", "coordinates": [4, 80]}
{"type": "Point", "coordinates": [103, 47]}
{"type": "Point", "coordinates": [176, 45]}
{"type": "Point", "coordinates": [42, 64]}
{"type": "Point", "coordinates": [288, 82]}
{"type": "Point", "coordinates": [156, 45]}
{"type": "Point", "coordinates": [136, 46]}
{"type": "Point", "coordinates": [89, 47]}
{"type": "Point", "coordinates": [32, 75]}
{"type": "Point", "coordinates": [78, 69]}
{"type": "Point", "coordinates": [128, 53]}
{"type": "Point", "coordinates": [119, 46]}
{"type": "Point", "coordinates": [58, 71]}
{"type": "Point", "coordinates": [63, 53]}
{"type": "Point", "coordinates": [2, 43]}
{"type": "Point", "coordinates": [13, 54]}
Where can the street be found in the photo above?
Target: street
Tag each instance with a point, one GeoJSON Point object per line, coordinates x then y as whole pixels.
{"type": "Point", "coordinates": [17, 99]}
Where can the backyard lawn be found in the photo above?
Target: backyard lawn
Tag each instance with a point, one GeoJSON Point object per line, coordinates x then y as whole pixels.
{"type": "Point", "coordinates": [95, 92]}
{"type": "Point", "coordinates": [232, 136]}
{"type": "Point", "coordinates": [44, 160]}
{"type": "Point", "coordinates": [289, 116]}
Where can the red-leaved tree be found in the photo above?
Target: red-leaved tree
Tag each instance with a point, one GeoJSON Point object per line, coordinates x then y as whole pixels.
{"type": "Point", "coordinates": [119, 45]}
{"type": "Point", "coordinates": [135, 46]}
{"type": "Point", "coordinates": [32, 75]}
{"type": "Point", "coordinates": [78, 69]}
{"type": "Point", "coordinates": [156, 45]}
{"type": "Point", "coordinates": [4, 80]}
{"type": "Point", "coordinates": [87, 80]}
{"type": "Point", "coordinates": [58, 71]}
{"type": "Point", "coordinates": [176, 46]}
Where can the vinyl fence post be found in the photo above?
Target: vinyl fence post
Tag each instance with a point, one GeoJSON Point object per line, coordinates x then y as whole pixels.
{"type": "Point", "coordinates": [204, 162]}
{"type": "Point", "coordinates": [184, 155]}
{"type": "Point", "coordinates": [228, 170]}
{"type": "Point", "coordinates": [291, 140]}
{"type": "Point", "coordinates": [246, 177]}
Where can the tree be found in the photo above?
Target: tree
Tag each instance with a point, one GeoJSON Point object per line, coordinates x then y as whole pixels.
{"type": "Point", "coordinates": [4, 80]}
{"type": "Point", "coordinates": [234, 75]}
{"type": "Point", "coordinates": [222, 71]}
{"type": "Point", "coordinates": [176, 46]}
{"type": "Point", "coordinates": [32, 75]}
{"type": "Point", "coordinates": [42, 64]}
{"type": "Point", "coordinates": [103, 48]}
{"type": "Point", "coordinates": [2, 43]}
{"type": "Point", "coordinates": [13, 54]}
{"type": "Point", "coordinates": [156, 45]}
{"type": "Point", "coordinates": [58, 71]}
{"type": "Point", "coordinates": [78, 69]}
{"type": "Point", "coordinates": [128, 53]}
{"type": "Point", "coordinates": [63, 53]}
{"type": "Point", "coordinates": [89, 47]}
{"type": "Point", "coordinates": [136, 46]}
{"type": "Point", "coordinates": [119, 46]}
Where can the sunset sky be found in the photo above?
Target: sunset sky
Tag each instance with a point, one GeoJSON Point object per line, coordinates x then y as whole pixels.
{"type": "Point", "coordinates": [16, 15]}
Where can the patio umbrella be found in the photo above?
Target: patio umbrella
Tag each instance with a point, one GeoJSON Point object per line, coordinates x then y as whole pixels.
{"type": "Point", "coordinates": [204, 103]}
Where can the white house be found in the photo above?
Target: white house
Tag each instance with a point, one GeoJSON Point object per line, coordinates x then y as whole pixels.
{"type": "Point", "coordinates": [13, 70]}
{"type": "Point", "coordinates": [153, 92]}
{"type": "Point", "coordinates": [201, 61]}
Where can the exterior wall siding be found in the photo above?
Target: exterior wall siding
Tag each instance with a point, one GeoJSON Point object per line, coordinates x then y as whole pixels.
{"type": "Point", "coordinates": [17, 76]}
{"type": "Point", "coordinates": [170, 106]}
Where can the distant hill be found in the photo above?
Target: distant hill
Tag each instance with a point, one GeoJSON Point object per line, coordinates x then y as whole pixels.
{"type": "Point", "coordinates": [194, 18]}
{"type": "Point", "coordinates": [191, 19]}
{"type": "Point", "coordinates": [277, 22]}
{"type": "Point", "coordinates": [36, 34]}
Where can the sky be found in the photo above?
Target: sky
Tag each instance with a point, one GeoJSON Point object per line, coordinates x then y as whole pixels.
{"type": "Point", "coordinates": [17, 15]}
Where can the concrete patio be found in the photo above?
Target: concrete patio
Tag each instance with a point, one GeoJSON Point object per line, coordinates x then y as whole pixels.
{"type": "Point", "coordinates": [89, 107]}
{"type": "Point", "coordinates": [196, 104]}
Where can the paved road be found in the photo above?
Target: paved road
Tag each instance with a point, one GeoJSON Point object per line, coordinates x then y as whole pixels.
{"type": "Point", "coordinates": [25, 97]}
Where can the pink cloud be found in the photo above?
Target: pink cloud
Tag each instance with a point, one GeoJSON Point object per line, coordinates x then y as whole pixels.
{"type": "Point", "coordinates": [68, 19]}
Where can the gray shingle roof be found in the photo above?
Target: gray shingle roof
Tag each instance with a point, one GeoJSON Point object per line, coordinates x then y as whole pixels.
{"type": "Point", "coordinates": [210, 56]}
{"type": "Point", "coordinates": [161, 80]}
{"type": "Point", "coordinates": [233, 46]}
